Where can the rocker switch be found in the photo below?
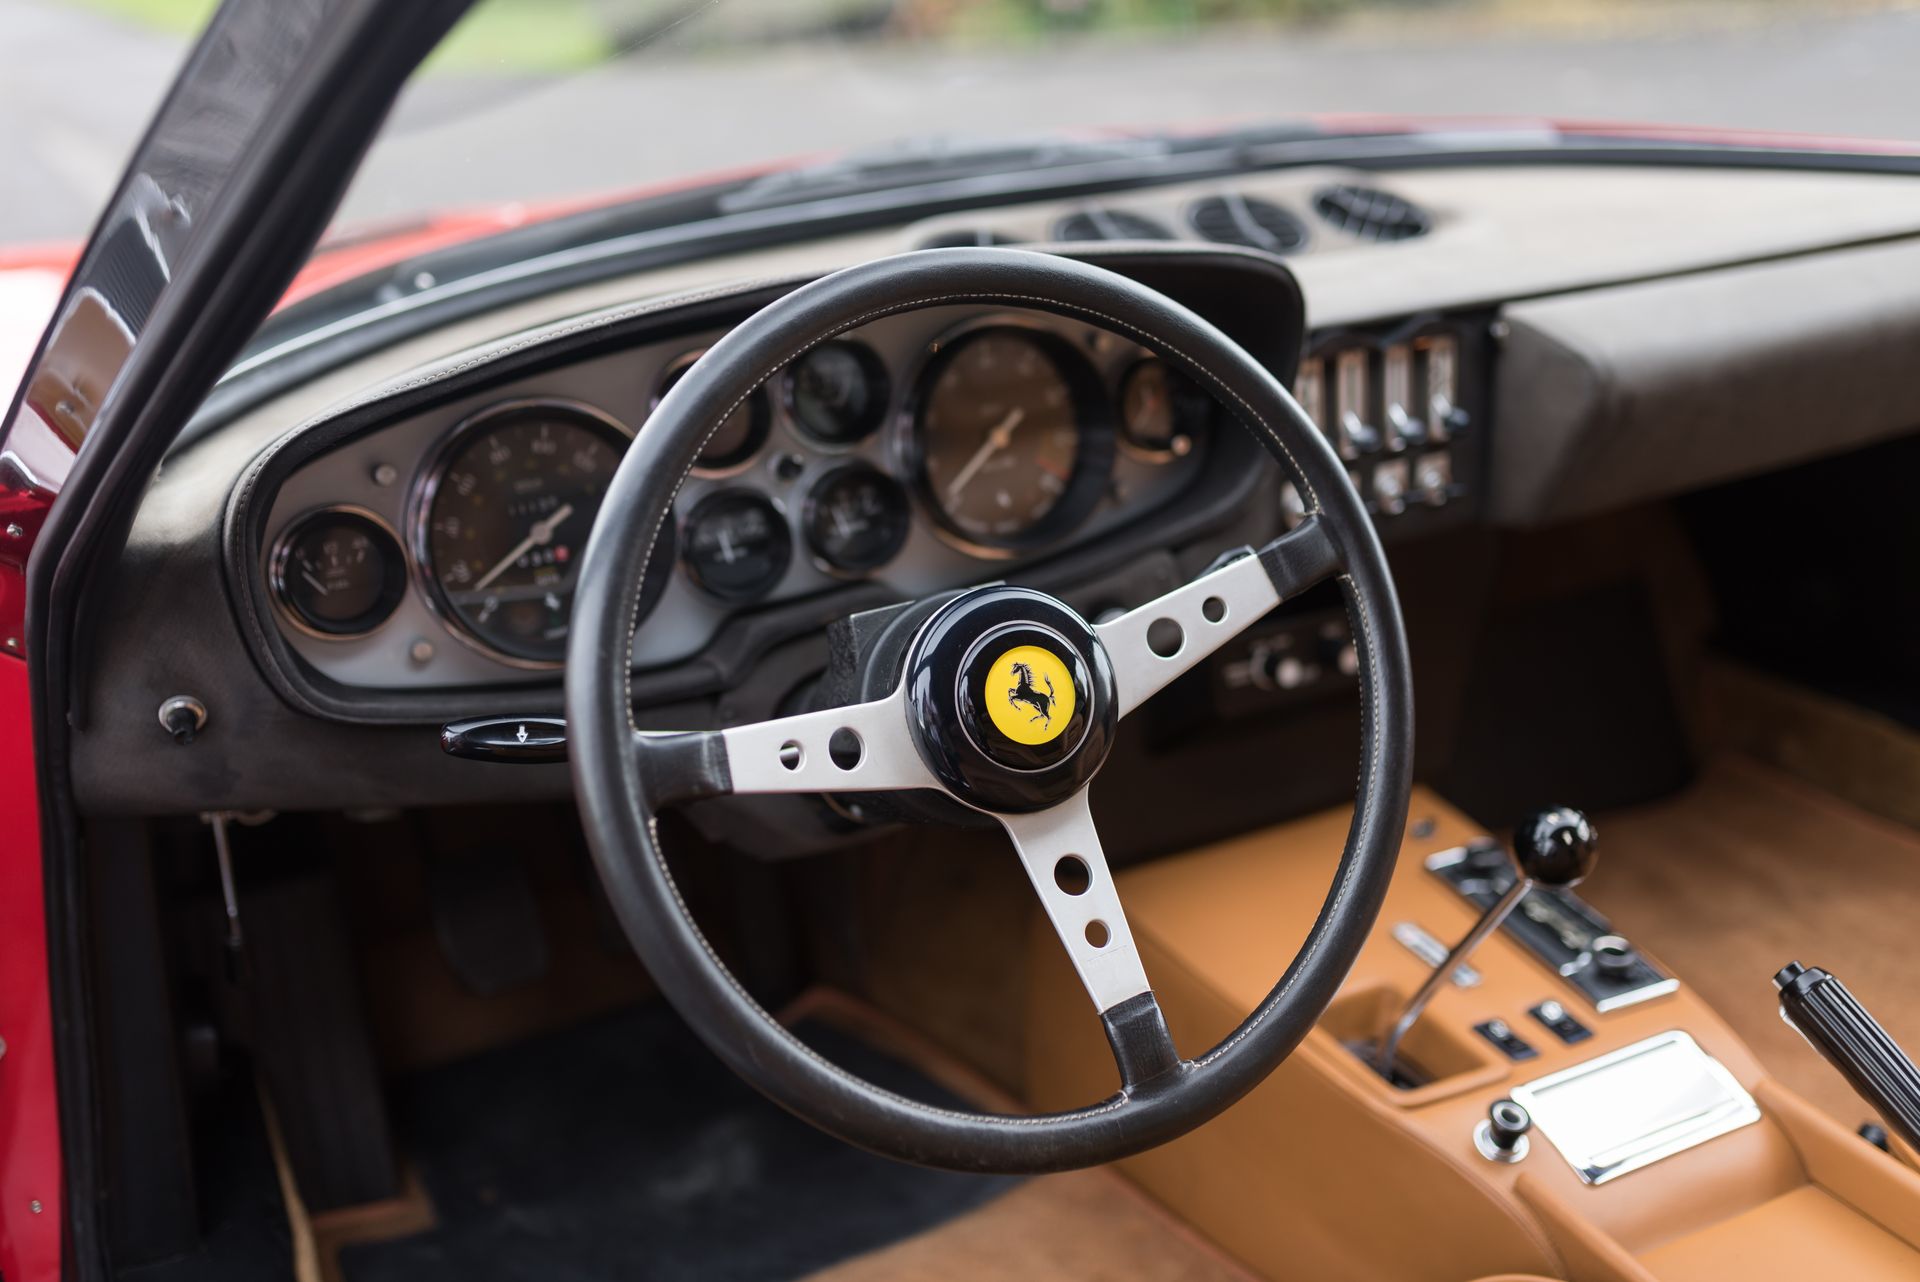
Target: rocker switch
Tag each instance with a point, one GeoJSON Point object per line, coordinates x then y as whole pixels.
{"type": "Point", "coordinates": [1511, 1044]}
{"type": "Point", "coordinates": [1560, 1022]}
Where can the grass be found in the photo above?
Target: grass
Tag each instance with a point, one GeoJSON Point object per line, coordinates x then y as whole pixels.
{"type": "Point", "coordinates": [496, 35]}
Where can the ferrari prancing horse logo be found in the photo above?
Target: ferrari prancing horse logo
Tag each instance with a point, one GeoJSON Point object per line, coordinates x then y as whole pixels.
{"type": "Point", "coordinates": [1030, 695]}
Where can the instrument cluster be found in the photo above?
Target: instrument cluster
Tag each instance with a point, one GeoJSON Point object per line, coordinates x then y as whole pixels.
{"type": "Point", "coordinates": [923, 452]}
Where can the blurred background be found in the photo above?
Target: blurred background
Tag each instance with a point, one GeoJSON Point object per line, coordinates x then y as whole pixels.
{"type": "Point", "coordinates": [539, 99]}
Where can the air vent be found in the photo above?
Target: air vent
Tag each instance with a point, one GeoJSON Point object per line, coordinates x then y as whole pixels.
{"type": "Point", "coordinates": [1259, 224]}
{"type": "Point", "coordinates": [1109, 224]}
{"type": "Point", "coordinates": [965, 237]}
{"type": "Point", "coordinates": [1371, 214]}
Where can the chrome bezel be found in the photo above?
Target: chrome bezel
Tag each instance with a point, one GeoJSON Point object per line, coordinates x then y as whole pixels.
{"type": "Point", "coordinates": [805, 524]}
{"type": "Point", "coordinates": [283, 545]}
{"type": "Point", "coordinates": [907, 447]}
{"type": "Point", "coordinates": [872, 364]}
{"type": "Point", "coordinates": [420, 507]}
{"type": "Point", "coordinates": [784, 522]}
{"type": "Point", "coordinates": [759, 397]}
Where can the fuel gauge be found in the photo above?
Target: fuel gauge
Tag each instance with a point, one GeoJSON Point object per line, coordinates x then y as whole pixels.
{"type": "Point", "coordinates": [338, 573]}
{"type": "Point", "coordinates": [736, 545]}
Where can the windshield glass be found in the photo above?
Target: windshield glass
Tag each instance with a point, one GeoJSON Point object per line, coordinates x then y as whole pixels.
{"type": "Point", "coordinates": [562, 100]}
{"type": "Point", "coordinates": [538, 101]}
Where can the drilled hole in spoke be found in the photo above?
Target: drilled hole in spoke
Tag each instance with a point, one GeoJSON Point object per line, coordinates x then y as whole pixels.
{"type": "Point", "coordinates": [1164, 638]}
{"type": "Point", "coordinates": [845, 748]}
{"type": "Point", "coordinates": [1097, 933]}
{"type": "Point", "coordinates": [1072, 875]}
{"type": "Point", "coordinates": [1213, 609]}
{"type": "Point", "coordinates": [791, 756]}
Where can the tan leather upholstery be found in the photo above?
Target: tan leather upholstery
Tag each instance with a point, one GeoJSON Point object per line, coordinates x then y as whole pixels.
{"type": "Point", "coordinates": [1807, 1233]}
{"type": "Point", "coordinates": [1324, 1172]}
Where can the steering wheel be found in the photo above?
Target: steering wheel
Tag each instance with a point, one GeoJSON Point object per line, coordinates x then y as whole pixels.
{"type": "Point", "coordinates": [1005, 700]}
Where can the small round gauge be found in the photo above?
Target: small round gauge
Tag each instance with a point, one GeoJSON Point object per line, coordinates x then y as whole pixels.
{"type": "Point", "coordinates": [837, 393]}
{"type": "Point", "coordinates": [1012, 437]}
{"type": "Point", "coordinates": [736, 440]}
{"type": "Point", "coordinates": [503, 517]}
{"type": "Point", "coordinates": [857, 518]}
{"type": "Point", "coordinates": [736, 544]}
{"type": "Point", "coordinates": [339, 572]}
{"type": "Point", "coordinates": [1163, 413]}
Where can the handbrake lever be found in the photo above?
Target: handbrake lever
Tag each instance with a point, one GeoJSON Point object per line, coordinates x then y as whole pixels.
{"type": "Point", "coordinates": [1822, 1010]}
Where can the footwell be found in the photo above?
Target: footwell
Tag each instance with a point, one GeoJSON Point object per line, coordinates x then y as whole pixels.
{"type": "Point", "coordinates": [622, 1149]}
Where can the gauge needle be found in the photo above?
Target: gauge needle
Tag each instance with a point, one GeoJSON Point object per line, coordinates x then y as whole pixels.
{"type": "Point", "coordinates": [318, 586]}
{"type": "Point", "coordinates": [998, 438]}
{"type": "Point", "coordinates": [540, 533]}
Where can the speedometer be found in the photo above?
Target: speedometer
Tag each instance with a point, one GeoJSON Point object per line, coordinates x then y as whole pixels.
{"type": "Point", "coordinates": [503, 516]}
{"type": "Point", "coordinates": [1013, 437]}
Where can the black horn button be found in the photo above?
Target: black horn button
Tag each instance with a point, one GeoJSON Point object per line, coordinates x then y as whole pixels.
{"type": "Point", "coordinates": [1012, 699]}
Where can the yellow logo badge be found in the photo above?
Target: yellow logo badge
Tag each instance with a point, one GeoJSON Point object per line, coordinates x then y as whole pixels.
{"type": "Point", "coordinates": [1030, 695]}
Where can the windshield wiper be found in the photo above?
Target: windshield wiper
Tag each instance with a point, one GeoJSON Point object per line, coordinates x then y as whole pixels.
{"type": "Point", "coordinates": [934, 158]}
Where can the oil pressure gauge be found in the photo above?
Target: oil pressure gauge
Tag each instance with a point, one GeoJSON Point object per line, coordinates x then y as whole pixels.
{"type": "Point", "coordinates": [857, 518]}
{"type": "Point", "coordinates": [338, 573]}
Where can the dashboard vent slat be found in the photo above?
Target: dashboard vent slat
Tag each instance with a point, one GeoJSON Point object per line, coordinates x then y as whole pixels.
{"type": "Point", "coordinates": [1233, 219]}
{"type": "Point", "coordinates": [1371, 214]}
{"type": "Point", "coordinates": [1109, 224]}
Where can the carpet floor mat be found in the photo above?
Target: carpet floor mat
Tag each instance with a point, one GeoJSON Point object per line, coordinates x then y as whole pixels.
{"type": "Point", "coordinates": [623, 1150]}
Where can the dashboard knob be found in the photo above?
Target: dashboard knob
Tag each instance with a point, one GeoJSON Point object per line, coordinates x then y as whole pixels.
{"type": "Point", "coordinates": [1614, 955]}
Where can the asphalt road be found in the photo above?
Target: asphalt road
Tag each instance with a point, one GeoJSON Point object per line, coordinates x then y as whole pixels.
{"type": "Point", "coordinates": [76, 89]}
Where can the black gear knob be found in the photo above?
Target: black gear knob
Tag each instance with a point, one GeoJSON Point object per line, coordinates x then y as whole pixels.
{"type": "Point", "coordinates": [1556, 847]}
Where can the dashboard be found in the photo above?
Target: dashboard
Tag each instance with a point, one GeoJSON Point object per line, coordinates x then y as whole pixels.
{"type": "Point", "coordinates": [1558, 340]}
{"type": "Point", "coordinates": [920, 453]}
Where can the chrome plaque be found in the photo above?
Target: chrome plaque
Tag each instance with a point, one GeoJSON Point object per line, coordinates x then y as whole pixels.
{"type": "Point", "coordinates": [1636, 1105]}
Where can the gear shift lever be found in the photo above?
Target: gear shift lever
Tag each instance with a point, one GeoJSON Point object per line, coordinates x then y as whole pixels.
{"type": "Point", "coordinates": [1555, 848]}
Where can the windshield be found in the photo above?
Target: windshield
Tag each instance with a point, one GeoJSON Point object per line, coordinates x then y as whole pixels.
{"type": "Point", "coordinates": [534, 106]}
{"type": "Point", "coordinates": [557, 100]}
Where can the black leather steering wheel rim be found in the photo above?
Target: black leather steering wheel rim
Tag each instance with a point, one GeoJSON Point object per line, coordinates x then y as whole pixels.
{"type": "Point", "coordinates": [622, 777]}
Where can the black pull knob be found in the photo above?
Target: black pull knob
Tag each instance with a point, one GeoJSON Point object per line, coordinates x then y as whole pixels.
{"type": "Point", "coordinates": [1556, 847]}
{"type": "Point", "coordinates": [1507, 1122]}
{"type": "Point", "coordinates": [517, 740]}
{"type": "Point", "coordinates": [1503, 1136]}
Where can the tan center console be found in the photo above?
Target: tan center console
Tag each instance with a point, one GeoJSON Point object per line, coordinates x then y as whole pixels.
{"type": "Point", "coordinates": [1327, 1171]}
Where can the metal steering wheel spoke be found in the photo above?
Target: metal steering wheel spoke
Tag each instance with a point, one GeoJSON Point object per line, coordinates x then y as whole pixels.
{"type": "Point", "coordinates": [1060, 849]}
{"type": "Point", "coordinates": [866, 747]}
{"type": "Point", "coordinates": [1166, 637]}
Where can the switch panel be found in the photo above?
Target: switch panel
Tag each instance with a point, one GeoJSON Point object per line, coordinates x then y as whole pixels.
{"type": "Point", "coordinates": [1565, 932]}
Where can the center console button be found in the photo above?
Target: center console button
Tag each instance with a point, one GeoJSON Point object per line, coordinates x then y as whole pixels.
{"type": "Point", "coordinates": [1560, 1021]}
{"type": "Point", "coordinates": [1511, 1044]}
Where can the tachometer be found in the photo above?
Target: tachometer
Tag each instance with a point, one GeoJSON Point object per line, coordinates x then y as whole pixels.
{"type": "Point", "coordinates": [1012, 437]}
{"type": "Point", "coordinates": [503, 516]}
